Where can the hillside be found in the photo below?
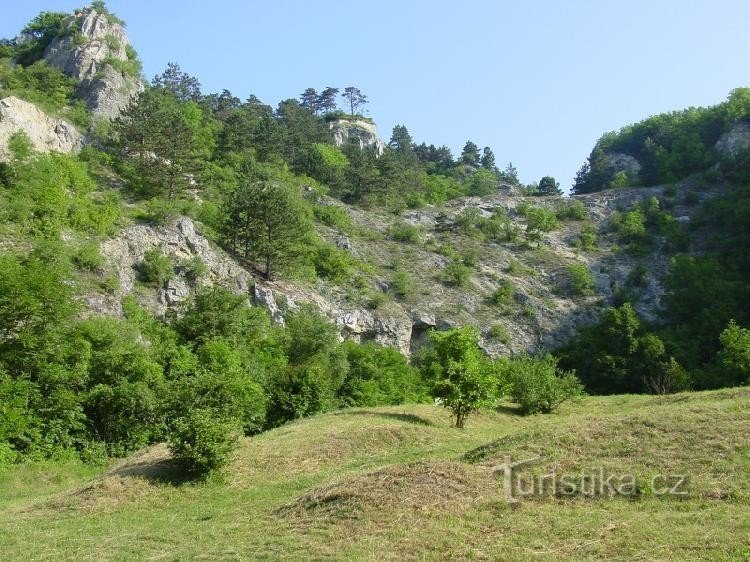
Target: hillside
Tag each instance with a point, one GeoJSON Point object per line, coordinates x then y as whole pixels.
{"type": "Point", "coordinates": [231, 330]}
{"type": "Point", "coordinates": [397, 483]}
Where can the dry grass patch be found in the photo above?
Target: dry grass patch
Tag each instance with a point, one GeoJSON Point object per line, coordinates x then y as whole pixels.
{"type": "Point", "coordinates": [423, 487]}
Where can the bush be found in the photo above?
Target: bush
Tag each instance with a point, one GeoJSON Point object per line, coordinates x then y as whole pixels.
{"type": "Point", "coordinates": [156, 268]}
{"type": "Point", "coordinates": [582, 281]}
{"type": "Point", "coordinates": [571, 211]}
{"type": "Point", "coordinates": [333, 264]}
{"type": "Point", "coordinates": [402, 285]}
{"type": "Point", "coordinates": [463, 379]}
{"type": "Point", "coordinates": [500, 333]}
{"type": "Point", "coordinates": [334, 216]}
{"type": "Point", "coordinates": [88, 258]}
{"type": "Point", "coordinates": [457, 274]}
{"type": "Point", "coordinates": [504, 294]}
{"type": "Point", "coordinates": [403, 232]}
{"type": "Point", "coordinates": [587, 240]}
{"type": "Point", "coordinates": [202, 443]}
{"type": "Point", "coordinates": [195, 269]}
{"type": "Point", "coordinates": [538, 386]}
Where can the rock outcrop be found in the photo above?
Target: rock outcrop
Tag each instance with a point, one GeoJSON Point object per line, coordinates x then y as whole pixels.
{"type": "Point", "coordinates": [45, 133]}
{"type": "Point", "coordinates": [88, 50]}
{"type": "Point", "coordinates": [735, 140]}
{"type": "Point", "coordinates": [362, 132]}
{"type": "Point", "coordinates": [621, 162]}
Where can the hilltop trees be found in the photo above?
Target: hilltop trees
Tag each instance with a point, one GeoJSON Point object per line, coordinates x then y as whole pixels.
{"type": "Point", "coordinates": [470, 154]}
{"type": "Point", "coordinates": [548, 186]}
{"type": "Point", "coordinates": [355, 98]}
{"type": "Point", "coordinates": [182, 86]}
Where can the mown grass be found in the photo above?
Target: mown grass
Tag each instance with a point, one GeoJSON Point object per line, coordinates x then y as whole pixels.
{"type": "Point", "coordinates": [399, 483]}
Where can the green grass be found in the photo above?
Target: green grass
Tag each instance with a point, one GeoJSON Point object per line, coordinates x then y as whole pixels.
{"type": "Point", "coordinates": [399, 483]}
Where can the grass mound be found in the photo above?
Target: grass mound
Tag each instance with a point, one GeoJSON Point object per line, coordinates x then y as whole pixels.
{"type": "Point", "coordinates": [420, 486]}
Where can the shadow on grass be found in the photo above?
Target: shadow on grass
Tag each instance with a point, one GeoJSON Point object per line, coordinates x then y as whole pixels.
{"type": "Point", "coordinates": [408, 418]}
{"type": "Point", "coordinates": [510, 410]}
{"type": "Point", "coordinates": [161, 471]}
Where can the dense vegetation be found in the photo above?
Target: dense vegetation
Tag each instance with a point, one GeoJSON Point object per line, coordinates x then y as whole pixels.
{"type": "Point", "coordinates": [668, 147]}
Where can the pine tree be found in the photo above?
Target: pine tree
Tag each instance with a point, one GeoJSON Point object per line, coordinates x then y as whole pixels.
{"type": "Point", "coordinates": [470, 154]}
{"type": "Point", "coordinates": [488, 160]}
{"type": "Point", "coordinates": [355, 98]}
{"type": "Point", "coordinates": [548, 186]}
{"type": "Point", "coordinates": [310, 100]}
{"type": "Point", "coordinates": [327, 100]}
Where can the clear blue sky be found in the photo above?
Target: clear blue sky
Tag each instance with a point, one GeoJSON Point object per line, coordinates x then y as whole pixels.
{"type": "Point", "coordinates": [538, 81]}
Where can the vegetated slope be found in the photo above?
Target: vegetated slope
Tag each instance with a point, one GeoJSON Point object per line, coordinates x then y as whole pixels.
{"type": "Point", "coordinates": [400, 483]}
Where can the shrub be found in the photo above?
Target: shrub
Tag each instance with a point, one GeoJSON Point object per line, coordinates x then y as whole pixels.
{"type": "Point", "coordinates": [333, 264]}
{"type": "Point", "coordinates": [378, 376]}
{"type": "Point", "coordinates": [334, 216]}
{"type": "Point", "coordinates": [500, 333]}
{"type": "Point", "coordinates": [581, 280]}
{"type": "Point", "coordinates": [462, 378]}
{"type": "Point", "coordinates": [734, 357]}
{"type": "Point", "coordinates": [87, 257]}
{"type": "Point", "coordinates": [537, 385]}
{"type": "Point", "coordinates": [403, 232]}
{"type": "Point", "coordinates": [504, 294]}
{"type": "Point", "coordinates": [156, 268]}
{"type": "Point", "coordinates": [202, 443]}
{"type": "Point", "coordinates": [457, 274]}
{"type": "Point", "coordinates": [195, 269]}
{"type": "Point", "coordinates": [587, 240]}
{"type": "Point", "coordinates": [571, 211]}
{"type": "Point", "coordinates": [402, 285]}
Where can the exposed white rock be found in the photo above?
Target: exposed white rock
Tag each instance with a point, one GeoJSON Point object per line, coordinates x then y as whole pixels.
{"type": "Point", "coordinates": [84, 51]}
{"type": "Point", "coordinates": [362, 132]}
{"type": "Point", "coordinates": [735, 140]}
{"type": "Point", "coordinates": [622, 162]}
{"type": "Point", "coordinates": [46, 133]}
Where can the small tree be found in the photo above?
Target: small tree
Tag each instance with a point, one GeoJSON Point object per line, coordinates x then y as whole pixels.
{"type": "Point", "coordinates": [464, 381]}
{"type": "Point", "coordinates": [327, 99]}
{"type": "Point", "coordinates": [267, 222]}
{"type": "Point", "coordinates": [487, 161]}
{"type": "Point", "coordinates": [310, 100]}
{"type": "Point", "coordinates": [355, 98]}
{"type": "Point", "coordinates": [202, 442]}
{"type": "Point", "coordinates": [538, 386]}
{"type": "Point", "coordinates": [548, 186]}
{"type": "Point", "coordinates": [470, 154]}
{"type": "Point", "coordinates": [183, 86]}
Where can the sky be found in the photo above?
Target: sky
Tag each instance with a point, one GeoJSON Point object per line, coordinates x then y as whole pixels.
{"type": "Point", "coordinates": [538, 81]}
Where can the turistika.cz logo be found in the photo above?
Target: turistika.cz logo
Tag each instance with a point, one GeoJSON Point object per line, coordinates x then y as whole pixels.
{"type": "Point", "coordinates": [598, 482]}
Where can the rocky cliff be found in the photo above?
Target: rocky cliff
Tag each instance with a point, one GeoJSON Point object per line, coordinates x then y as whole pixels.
{"type": "Point", "coordinates": [94, 49]}
{"type": "Point", "coordinates": [541, 313]}
{"type": "Point", "coordinates": [359, 131]}
{"type": "Point", "coordinates": [45, 133]}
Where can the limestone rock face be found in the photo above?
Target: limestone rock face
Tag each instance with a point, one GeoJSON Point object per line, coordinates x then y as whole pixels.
{"type": "Point", "coordinates": [362, 132]}
{"type": "Point", "coordinates": [622, 162]}
{"type": "Point", "coordinates": [735, 140]}
{"type": "Point", "coordinates": [46, 133]}
{"type": "Point", "coordinates": [180, 242]}
{"type": "Point", "coordinates": [85, 53]}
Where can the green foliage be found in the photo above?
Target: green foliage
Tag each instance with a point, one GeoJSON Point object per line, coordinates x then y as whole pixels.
{"type": "Point", "coordinates": [40, 31]}
{"type": "Point", "coordinates": [548, 186]}
{"type": "Point", "coordinates": [587, 240]}
{"type": "Point", "coordinates": [461, 378]}
{"type": "Point", "coordinates": [156, 268]}
{"type": "Point", "coordinates": [581, 279]}
{"type": "Point", "coordinates": [405, 232]}
{"type": "Point", "coordinates": [402, 284]}
{"type": "Point", "coordinates": [334, 216]}
{"type": "Point", "coordinates": [500, 333]}
{"type": "Point", "coordinates": [457, 274]}
{"type": "Point", "coordinates": [202, 443]}
{"type": "Point", "coordinates": [378, 376]}
{"type": "Point", "coordinates": [46, 87]}
{"type": "Point", "coordinates": [668, 146]}
{"type": "Point", "coordinates": [538, 221]}
{"type": "Point", "coordinates": [334, 264]}
{"type": "Point", "coordinates": [537, 385]}
{"type": "Point", "coordinates": [267, 222]}
{"type": "Point", "coordinates": [482, 182]}
{"type": "Point", "coordinates": [734, 356]}
{"type": "Point", "coordinates": [504, 294]}
{"type": "Point", "coordinates": [574, 210]}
